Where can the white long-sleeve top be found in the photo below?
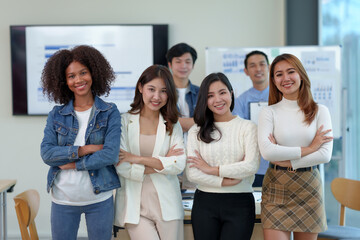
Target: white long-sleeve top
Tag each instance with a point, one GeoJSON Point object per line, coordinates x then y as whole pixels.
{"type": "Point", "coordinates": [166, 183]}
{"type": "Point", "coordinates": [236, 154]}
{"type": "Point", "coordinates": [285, 121]}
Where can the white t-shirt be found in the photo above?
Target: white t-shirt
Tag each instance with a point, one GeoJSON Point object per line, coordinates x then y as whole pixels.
{"type": "Point", "coordinates": [183, 106]}
{"type": "Point", "coordinates": [72, 187]}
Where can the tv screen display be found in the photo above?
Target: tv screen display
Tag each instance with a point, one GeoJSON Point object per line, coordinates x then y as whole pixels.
{"type": "Point", "coordinates": [130, 49]}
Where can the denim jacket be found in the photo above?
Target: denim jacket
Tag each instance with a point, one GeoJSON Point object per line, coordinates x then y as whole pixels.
{"type": "Point", "coordinates": [57, 147]}
{"type": "Point", "coordinates": [191, 98]}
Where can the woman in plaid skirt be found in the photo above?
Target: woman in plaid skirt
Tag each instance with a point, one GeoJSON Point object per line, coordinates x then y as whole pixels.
{"type": "Point", "coordinates": [294, 134]}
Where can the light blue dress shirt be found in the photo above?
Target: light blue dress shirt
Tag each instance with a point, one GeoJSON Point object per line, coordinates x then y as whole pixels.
{"type": "Point", "coordinates": [242, 109]}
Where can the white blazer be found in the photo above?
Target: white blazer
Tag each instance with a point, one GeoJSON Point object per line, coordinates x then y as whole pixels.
{"type": "Point", "coordinates": [127, 201]}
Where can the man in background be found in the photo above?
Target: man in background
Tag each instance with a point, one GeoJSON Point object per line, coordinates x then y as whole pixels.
{"type": "Point", "coordinates": [181, 59]}
{"type": "Point", "coordinates": [257, 68]}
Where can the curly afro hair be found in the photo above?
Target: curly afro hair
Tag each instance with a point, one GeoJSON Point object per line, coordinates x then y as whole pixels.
{"type": "Point", "coordinates": [53, 78]}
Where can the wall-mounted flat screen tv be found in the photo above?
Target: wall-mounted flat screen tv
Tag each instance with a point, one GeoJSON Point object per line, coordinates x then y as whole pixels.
{"type": "Point", "coordinates": [130, 49]}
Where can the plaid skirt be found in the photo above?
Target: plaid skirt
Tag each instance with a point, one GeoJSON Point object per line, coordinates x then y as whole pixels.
{"type": "Point", "coordinates": [293, 201]}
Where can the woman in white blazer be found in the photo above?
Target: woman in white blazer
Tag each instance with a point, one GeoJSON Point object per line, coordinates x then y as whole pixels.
{"type": "Point", "coordinates": [148, 204]}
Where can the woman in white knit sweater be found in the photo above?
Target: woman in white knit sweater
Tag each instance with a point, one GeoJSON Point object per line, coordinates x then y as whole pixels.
{"type": "Point", "coordinates": [223, 157]}
{"type": "Point", "coordinates": [295, 136]}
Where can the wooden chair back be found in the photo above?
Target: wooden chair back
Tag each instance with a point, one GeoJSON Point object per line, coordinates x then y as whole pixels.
{"type": "Point", "coordinates": [27, 206]}
{"type": "Point", "coordinates": [347, 193]}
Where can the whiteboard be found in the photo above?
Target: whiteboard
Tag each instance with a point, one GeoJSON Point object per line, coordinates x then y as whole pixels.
{"type": "Point", "coordinates": [122, 46]}
{"type": "Point", "coordinates": [322, 64]}
{"type": "Point", "coordinates": [255, 108]}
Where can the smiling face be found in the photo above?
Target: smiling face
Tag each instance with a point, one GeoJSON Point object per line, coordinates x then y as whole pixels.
{"type": "Point", "coordinates": [219, 101]}
{"type": "Point", "coordinates": [287, 80]}
{"type": "Point", "coordinates": [257, 69]}
{"type": "Point", "coordinates": [182, 66]}
{"type": "Point", "coordinates": [154, 94]}
{"type": "Point", "coordinates": [78, 79]}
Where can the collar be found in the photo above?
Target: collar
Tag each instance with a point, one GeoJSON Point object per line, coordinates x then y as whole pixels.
{"type": "Point", "coordinates": [191, 88]}
{"type": "Point", "coordinates": [263, 91]}
{"type": "Point", "coordinates": [136, 118]}
{"type": "Point", "coordinates": [100, 105]}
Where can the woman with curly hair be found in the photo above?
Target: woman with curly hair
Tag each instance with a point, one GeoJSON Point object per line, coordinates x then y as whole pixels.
{"type": "Point", "coordinates": [151, 156]}
{"type": "Point", "coordinates": [223, 157]}
{"type": "Point", "coordinates": [81, 142]}
{"type": "Point", "coordinates": [294, 134]}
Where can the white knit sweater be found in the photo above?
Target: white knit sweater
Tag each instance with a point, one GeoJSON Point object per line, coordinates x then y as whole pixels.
{"type": "Point", "coordinates": [236, 153]}
{"type": "Point", "coordinates": [285, 121]}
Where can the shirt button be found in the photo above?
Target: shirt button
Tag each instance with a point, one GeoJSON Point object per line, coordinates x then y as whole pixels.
{"type": "Point", "coordinates": [92, 174]}
{"type": "Point", "coordinates": [97, 126]}
{"type": "Point", "coordinates": [59, 128]}
{"type": "Point", "coordinates": [97, 191]}
{"type": "Point", "coordinates": [73, 155]}
{"type": "Point", "coordinates": [174, 161]}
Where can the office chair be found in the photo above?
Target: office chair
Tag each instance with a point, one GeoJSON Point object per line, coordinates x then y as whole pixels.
{"type": "Point", "coordinates": [347, 193]}
{"type": "Point", "coordinates": [27, 206]}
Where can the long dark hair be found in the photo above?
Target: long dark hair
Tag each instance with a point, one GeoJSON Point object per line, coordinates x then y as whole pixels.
{"type": "Point", "coordinates": [203, 116]}
{"type": "Point", "coordinates": [169, 111]}
{"type": "Point", "coordinates": [305, 99]}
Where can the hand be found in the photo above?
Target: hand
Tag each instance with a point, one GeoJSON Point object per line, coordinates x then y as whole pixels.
{"type": "Point", "coordinates": [68, 166]}
{"type": "Point", "coordinates": [89, 149]}
{"type": "Point", "coordinates": [272, 138]}
{"type": "Point", "coordinates": [149, 170]}
{"type": "Point", "coordinates": [320, 138]}
{"type": "Point", "coordinates": [230, 182]}
{"type": "Point", "coordinates": [202, 165]}
{"type": "Point", "coordinates": [286, 163]}
{"type": "Point", "coordinates": [175, 152]}
{"type": "Point", "coordinates": [125, 156]}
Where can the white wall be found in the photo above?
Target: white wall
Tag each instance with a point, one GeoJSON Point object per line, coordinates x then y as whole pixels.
{"type": "Point", "coordinates": [201, 23]}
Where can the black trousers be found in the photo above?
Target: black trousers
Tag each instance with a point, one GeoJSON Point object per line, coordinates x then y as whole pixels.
{"type": "Point", "coordinates": [258, 180]}
{"type": "Point", "coordinates": [225, 216]}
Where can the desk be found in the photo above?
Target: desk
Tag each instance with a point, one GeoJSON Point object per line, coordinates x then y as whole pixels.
{"type": "Point", "coordinates": [5, 186]}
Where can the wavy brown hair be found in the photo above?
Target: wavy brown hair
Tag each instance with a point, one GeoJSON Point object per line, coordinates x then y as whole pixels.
{"type": "Point", "coordinates": [305, 99]}
{"type": "Point", "coordinates": [169, 111]}
{"type": "Point", "coordinates": [53, 78]}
